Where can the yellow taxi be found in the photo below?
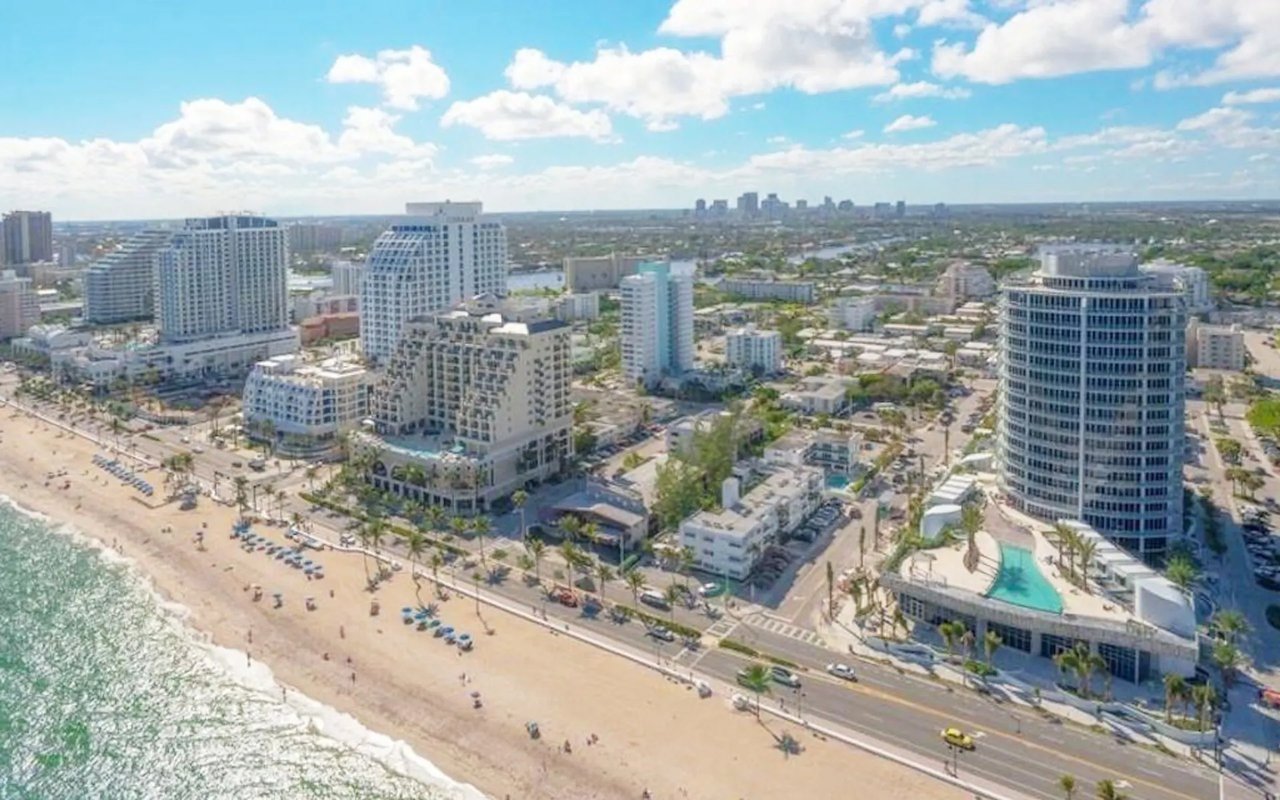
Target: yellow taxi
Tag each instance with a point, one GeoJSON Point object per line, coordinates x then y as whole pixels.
{"type": "Point", "coordinates": [957, 738]}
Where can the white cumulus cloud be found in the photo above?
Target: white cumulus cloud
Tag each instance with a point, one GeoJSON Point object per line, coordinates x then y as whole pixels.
{"type": "Point", "coordinates": [1253, 96]}
{"type": "Point", "coordinates": [507, 116]}
{"type": "Point", "coordinates": [492, 161]}
{"type": "Point", "coordinates": [404, 75]}
{"type": "Point", "coordinates": [907, 91]}
{"type": "Point", "coordinates": [909, 122]}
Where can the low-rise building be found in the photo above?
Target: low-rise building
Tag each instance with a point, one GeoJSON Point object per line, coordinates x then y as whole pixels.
{"type": "Point", "coordinates": [832, 450]}
{"type": "Point", "coordinates": [1215, 346]}
{"type": "Point", "coordinates": [580, 305]}
{"type": "Point", "coordinates": [320, 303]}
{"type": "Point", "coordinates": [328, 326]}
{"type": "Point", "coordinates": [962, 280]}
{"type": "Point", "coordinates": [305, 409]}
{"type": "Point", "coordinates": [681, 432]}
{"type": "Point", "coordinates": [853, 313]}
{"type": "Point", "coordinates": [729, 540]}
{"type": "Point", "coordinates": [596, 273]}
{"type": "Point", "coordinates": [818, 396]}
{"type": "Point", "coordinates": [771, 289]}
{"type": "Point", "coordinates": [756, 350]}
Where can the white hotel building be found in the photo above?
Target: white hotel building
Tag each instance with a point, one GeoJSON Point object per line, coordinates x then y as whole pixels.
{"type": "Point", "coordinates": [120, 286]}
{"type": "Point", "coordinates": [305, 409]}
{"type": "Point", "coordinates": [440, 254]}
{"type": "Point", "coordinates": [1092, 396]}
{"type": "Point", "coordinates": [471, 407]}
{"type": "Point", "coordinates": [657, 324]}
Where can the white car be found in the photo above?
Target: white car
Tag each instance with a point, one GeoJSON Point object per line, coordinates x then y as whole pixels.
{"type": "Point", "coordinates": [842, 671]}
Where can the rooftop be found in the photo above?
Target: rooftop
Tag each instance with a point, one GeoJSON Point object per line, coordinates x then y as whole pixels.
{"type": "Point", "coordinates": [781, 484]}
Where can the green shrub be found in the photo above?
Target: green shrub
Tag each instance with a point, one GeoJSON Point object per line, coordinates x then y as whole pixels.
{"type": "Point", "coordinates": [739, 647]}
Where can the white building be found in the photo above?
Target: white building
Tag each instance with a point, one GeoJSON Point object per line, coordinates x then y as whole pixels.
{"type": "Point", "coordinates": [441, 254]}
{"type": "Point", "coordinates": [755, 350]}
{"type": "Point", "coordinates": [582, 305]}
{"type": "Point", "coordinates": [1215, 346]}
{"type": "Point", "coordinates": [471, 407]}
{"type": "Point", "coordinates": [346, 277]}
{"type": "Point", "coordinates": [120, 286]}
{"type": "Point", "coordinates": [596, 273]}
{"type": "Point", "coordinates": [657, 324]}
{"type": "Point", "coordinates": [853, 313]}
{"type": "Point", "coordinates": [19, 306]}
{"type": "Point", "coordinates": [1091, 400]}
{"type": "Point", "coordinates": [305, 409]}
{"type": "Point", "coordinates": [322, 303]}
{"type": "Point", "coordinates": [962, 280]}
{"type": "Point", "coordinates": [730, 540]}
{"type": "Point", "coordinates": [818, 395]}
{"type": "Point", "coordinates": [1193, 282]}
{"type": "Point", "coordinates": [771, 289]}
{"type": "Point", "coordinates": [222, 276]}
{"type": "Point", "coordinates": [832, 450]}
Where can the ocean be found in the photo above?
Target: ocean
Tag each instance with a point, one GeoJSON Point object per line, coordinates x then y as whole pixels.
{"type": "Point", "coordinates": [107, 694]}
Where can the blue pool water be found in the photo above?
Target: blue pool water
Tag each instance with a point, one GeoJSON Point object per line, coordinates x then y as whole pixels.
{"type": "Point", "coordinates": [1021, 583]}
{"type": "Point", "coordinates": [837, 481]}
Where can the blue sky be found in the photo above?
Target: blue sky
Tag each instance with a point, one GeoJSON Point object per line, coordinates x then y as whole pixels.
{"type": "Point", "coordinates": [136, 109]}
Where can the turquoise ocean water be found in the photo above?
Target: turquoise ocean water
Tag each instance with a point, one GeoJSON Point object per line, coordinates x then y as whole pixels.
{"type": "Point", "coordinates": [106, 693]}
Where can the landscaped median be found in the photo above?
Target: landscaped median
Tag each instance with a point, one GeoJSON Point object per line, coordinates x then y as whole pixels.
{"type": "Point", "coordinates": [747, 650]}
{"type": "Point", "coordinates": [399, 530]}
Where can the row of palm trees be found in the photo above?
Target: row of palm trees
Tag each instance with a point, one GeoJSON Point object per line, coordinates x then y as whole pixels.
{"type": "Point", "coordinates": [1084, 663]}
{"type": "Point", "coordinates": [1074, 549]}
{"type": "Point", "coordinates": [955, 632]}
{"type": "Point", "coordinates": [1203, 696]}
{"type": "Point", "coordinates": [1105, 789]}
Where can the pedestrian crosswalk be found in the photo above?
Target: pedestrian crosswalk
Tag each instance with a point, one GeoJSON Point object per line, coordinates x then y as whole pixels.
{"type": "Point", "coordinates": [721, 627]}
{"type": "Point", "coordinates": [785, 629]}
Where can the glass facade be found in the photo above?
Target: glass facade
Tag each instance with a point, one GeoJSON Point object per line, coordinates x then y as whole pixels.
{"type": "Point", "coordinates": [1091, 401]}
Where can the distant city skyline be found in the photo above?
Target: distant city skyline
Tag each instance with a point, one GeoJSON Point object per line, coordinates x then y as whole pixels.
{"type": "Point", "coordinates": [133, 114]}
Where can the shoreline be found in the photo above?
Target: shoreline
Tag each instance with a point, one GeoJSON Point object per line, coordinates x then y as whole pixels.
{"type": "Point", "coordinates": [406, 686]}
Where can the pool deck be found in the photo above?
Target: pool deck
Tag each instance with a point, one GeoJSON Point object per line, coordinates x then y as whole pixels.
{"type": "Point", "coordinates": [1004, 525]}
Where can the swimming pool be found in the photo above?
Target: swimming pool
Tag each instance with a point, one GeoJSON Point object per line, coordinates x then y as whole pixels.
{"type": "Point", "coordinates": [837, 481]}
{"type": "Point", "coordinates": [1021, 583]}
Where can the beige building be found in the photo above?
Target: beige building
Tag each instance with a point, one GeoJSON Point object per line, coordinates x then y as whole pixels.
{"type": "Point", "coordinates": [304, 409]}
{"type": "Point", "coordinates": [472, 406]}
{"type": "Point", "coordinates": [594, 273]}
{"type": "Point", "coordinates": [19, 306]}
{"type": "Point", "coordinates": [1215, 346]}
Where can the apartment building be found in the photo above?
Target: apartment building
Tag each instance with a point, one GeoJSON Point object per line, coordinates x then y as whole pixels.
{"type": "Point", "coordinates": [770, 289]}
{"type": "Point", "coordinates": [305, 409]}
{"type": "Point", "coordinates": [756, 350]}
{"type": "Point", "coordinates": [19, 306]}
{"type": "Point", "coordinates": [853, 313]}
{"type": "Point", "coordinates": [27, 237]}
{"type": "Point", "coordinates": [583, 305]}
{"type": "Point", "coordinates": [598, 273]}
{"type": "Point", "coordinates": [730, 540]}
{"type": "Point", "coordinates": [471, 407]}
{"type": "Point", "coordinates": [346, 277]}
{"type": "Point", "coordinates": [441, 254]}
{"type": "Point", "coordinates": [657, 324]}
{"type": "Point", "coordinates": [1215, 346]}
{"type": "Point", "coordinates": [962, 281]}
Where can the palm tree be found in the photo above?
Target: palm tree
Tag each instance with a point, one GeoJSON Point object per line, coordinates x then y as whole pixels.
{"type": "Point", "coordinates": [481, 526]}
{"type": "Point", "coordinates": [437, 561]}
{"type": "Point", "coordinates": [1107, 790]}
{"type": "Point", "coordinates": [537, 549]}
{"type": "Point", "coordinates": [572, 556]}
{"type": "Point", "coordinates": [757, 678]}
{"type": "Point", "coordinates": [604, 574]}
{"type": "Point", "coordinates": [1086, 549]}
{"type": "Point", "coordinates": [416, 544]}
{"type": "Point", "coordinates": [855, 591]}
{"type": "Point", "coordinates": [1073, 661]}
{"type": "Point", "coordinates": [671, 594]}
{"type": "Point", "coordinates": [1229, 624]}
{"type": "Point", "coordinates": [1067, 783]}
{"type": "Point", "coordinates": [1062, 536]}
{"type": "Point", "coordinates": [950, 632]}
{"type": "Point", "coordinates": [686, 558]}
{"type": "Point", "coordinates": [1095, 662]}
{"type": "Point", "coordinates": [862, 546]}
{"type": "Point", "coordinates": [634, 579]}
{"type": "Point", "coordinates": [458, 526]}
{"type": "Point", "coordinates": [242, 493]}
{"type": "Point", "coordinates": [518, 498]}
{"type": "Point", "coordinates": [1229, 659]}
{"type": "Point", "coordinates": [571, 525]}
{"type": "Point", "coordinates": [1175, 686]}
{"type": "Point", "coordinates": [434, 517]}
{"type": "Point", "coordinates": [831, 591]}
{"type": "Point", "coordinates": [1205, 699]}
{"type": "Point", "coordinates": [1181, 571]}
{"type": "Point", "coordinates": [991, 642]}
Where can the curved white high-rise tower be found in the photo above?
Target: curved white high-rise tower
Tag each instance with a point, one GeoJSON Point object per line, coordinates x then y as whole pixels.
{"type": "Point", "coordinates": [1092, 398]}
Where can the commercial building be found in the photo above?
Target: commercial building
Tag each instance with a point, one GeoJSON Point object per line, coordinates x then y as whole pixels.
{"type": "Point", "coordinates": [306, 238]}
{"type": "Point", "coordinates": [730, 540]}
{"type": "Point", "coordinates": [471, 407]}
{"type": "Point", "coordinates": [19, 306]}
{"type": "Point", "coordinates": [347, 276]}
{"type": "Point", "coordinates": [1092, 397]}
{"type": "Point", "coordinates": [221, 276]}
{"type": "Point", "coordinates": [770, 289]}
{"type": "Point", "coordinates": [321, 303]}
{"type": "Point", "coordinates": [1193, 282]}
{"type": "Point", "coordinates": [1215, 346]}
{"type": "Point", "coordinates": [598, 273]}
{"type": "Point", "coordinates": [305, 409]}
{"type": "Point", "coordinates": [657, 324]}
{"type": "Point", "coordinates": [853, 313]}
{"type": "Point", "coordinates": [755, 350]}
{"type": "Point", "coordinates": [27, 237]}
{"type": "Point", "coordinates": [748, 204]}
{"type": "Point", "coordinates": [441, 254]}
{"type": "Point", "coordinates": [962, 281]}
{"type": "Point", "coordinates": [120, 286]}
{"type": "Point", "coordinates": [584, 305]}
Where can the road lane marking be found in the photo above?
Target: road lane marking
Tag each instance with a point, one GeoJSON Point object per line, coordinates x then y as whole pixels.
{"type": "Point", "coordinates": [854, 687]}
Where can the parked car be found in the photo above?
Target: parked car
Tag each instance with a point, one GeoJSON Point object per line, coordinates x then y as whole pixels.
{"type": "Point", "coordinates": [660, 632]}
